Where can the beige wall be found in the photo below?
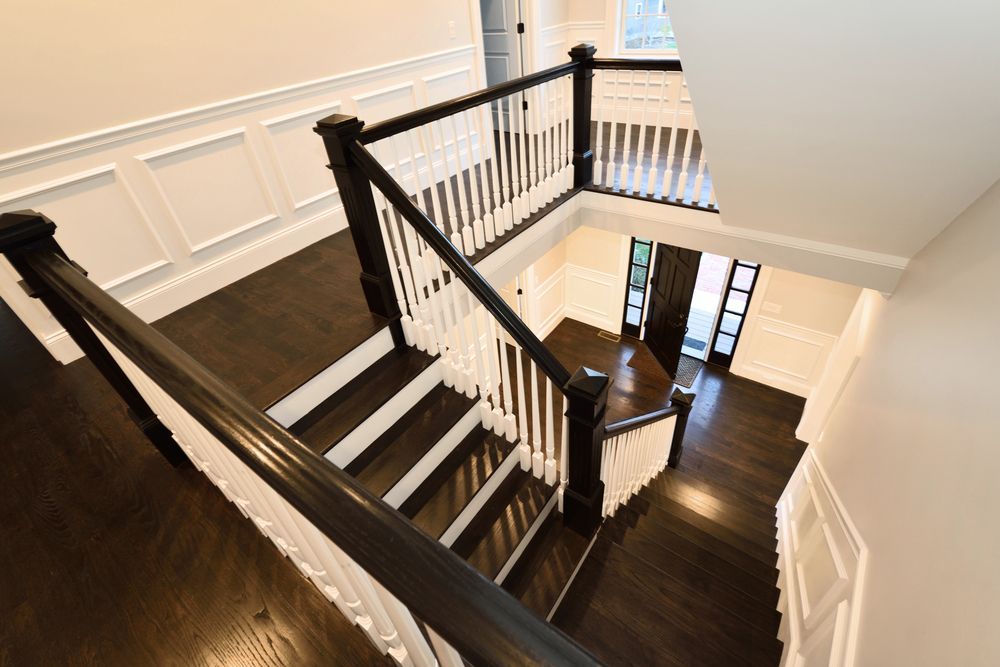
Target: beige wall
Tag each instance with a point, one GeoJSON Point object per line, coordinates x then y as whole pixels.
{"type": "Point", "coordinates": [75, 67]}
{"type": "Point", "coordinates": [553, 12]}
{"type": "Point", "coordinates": [587, 10]}
{"type": "Point", "coordinates": [807, 301]}
{"type": "Point", "coordinates": [912, 450]}
{"type": "Point", "coordinates": [550, 262]}
{"type": "Point", "coordinates": [595, 249]}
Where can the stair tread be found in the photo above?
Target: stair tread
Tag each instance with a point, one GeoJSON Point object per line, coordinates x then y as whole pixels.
{"type": "Point", "coordinates": [658, 526]}
{"type": "Point", "coordinates": [749, 483]}
{"type": "Point", "coordinates": [661, 506]}
{"type": "Point", "coordinates": [402, 445]}
{"type": "Point", "coordinates": [545, 568]}
{"type": "Point", "coordinates": [753, 586]}
{"type": "Point", "coordinates": [732, 497]}
{"type": "Point", "coordinates": [343, 411]}
{"type": "Point", "coordinates": [760, 613]}
{"type": "Point", "coordinates": [663, 615]}
{"type": "Point", "coordinates": [447, 491]}
{"type": "Point", "coordinates": [747, 527]}
{"type": "Point", "coordinates": [496, 531]}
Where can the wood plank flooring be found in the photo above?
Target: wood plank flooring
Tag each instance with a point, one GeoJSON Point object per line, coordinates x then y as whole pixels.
{"type": "Point", "coordinates": [109, 556]}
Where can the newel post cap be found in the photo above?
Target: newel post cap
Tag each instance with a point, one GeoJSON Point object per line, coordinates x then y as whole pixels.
{"type": "Point", "coordinates": [20, 228]}
{"type": "Point", "coordinates": [681, 399]}
{"type": "Point", "coordinates": [339, 125]}
{"type": "Point", "coordinates": [582, 52]}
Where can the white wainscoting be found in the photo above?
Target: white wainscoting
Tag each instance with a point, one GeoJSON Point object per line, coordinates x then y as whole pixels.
{"type": "Point", "coordinates": [822, 561]}
{"type": "Point", "coordinates": [547, 303]}
{"type": "Point", "coordinates": [594, 297]}
{"type": "Point", "coordinates": [165, 210]}
{"type": "Point", "coordinates": [781, 354]}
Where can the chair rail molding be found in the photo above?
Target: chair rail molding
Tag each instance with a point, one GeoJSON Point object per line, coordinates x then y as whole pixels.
{"type": "Point", "coordinates": [206, 195]}
{"type": "Point", "coordinates": [822, 563]}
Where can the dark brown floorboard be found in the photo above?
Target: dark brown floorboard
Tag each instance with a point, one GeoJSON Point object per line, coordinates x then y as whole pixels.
{"type": "Point", "coordinates": [271, 331]}
{"type": "Point", "coordinates": [110, 556]}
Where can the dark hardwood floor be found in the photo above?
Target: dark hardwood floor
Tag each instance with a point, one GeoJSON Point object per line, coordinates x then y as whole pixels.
{"type": "Point", "coordinates": [685, 573]}
{"type": "Point", "coordinates": [109, 556]}
{"type": "Point", "coordinates": [271, 331]}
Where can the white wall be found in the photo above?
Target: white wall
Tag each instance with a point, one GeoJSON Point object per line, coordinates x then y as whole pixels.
{"type": "Point", "coordinates": [596, 268]}
{"type": "Point", "coordinates": [200, 188]}
{"type": "Point", "coordinates": [911, 448]}
{"type": "Point", "coordinates": [791, 328]}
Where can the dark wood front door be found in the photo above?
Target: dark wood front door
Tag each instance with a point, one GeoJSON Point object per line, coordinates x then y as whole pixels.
{"type": "Point", "coordinates": [675, 271]}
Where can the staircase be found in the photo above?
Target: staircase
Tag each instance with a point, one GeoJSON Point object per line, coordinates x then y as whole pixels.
{"type": "Point", "coordinates": [685, 574]}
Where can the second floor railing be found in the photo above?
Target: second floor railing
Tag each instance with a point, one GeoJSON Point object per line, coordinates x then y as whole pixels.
{"type": "Point", "coordinates": [426, 191]}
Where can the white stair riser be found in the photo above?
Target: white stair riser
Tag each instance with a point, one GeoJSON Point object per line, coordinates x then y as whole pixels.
{"type": "Point", "coordinates": [526, 540]}
{"type": "Point", "coordinates": [432, 459]}
{"type": "Point", "coordinates": [369, 430]}
{"type": "Point", "coordinates": [462, 521]}
{"type": "Point", "coordinates": [297, 404]}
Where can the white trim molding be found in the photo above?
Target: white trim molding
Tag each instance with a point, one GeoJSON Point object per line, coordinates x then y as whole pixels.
{"type": "Point", "coordinates": [822, 563]}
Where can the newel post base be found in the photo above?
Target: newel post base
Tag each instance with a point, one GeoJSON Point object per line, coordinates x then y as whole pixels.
{"type": "Point", "coordinates": [25, 232]}
{"type": "Point", "coordinates": [339, 132]}
{"type": "Point", "coordinates": [583, 78]}
{"type": "Point", "coordinates": [587, 400]}
{"type": "Point", "coordinates": [684, 403]}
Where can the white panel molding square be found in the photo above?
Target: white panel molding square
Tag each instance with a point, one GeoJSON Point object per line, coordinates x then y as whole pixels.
{"type": "Point", "coordinates": [213, 188]}
{"type": "Point", "coordinates": [97, 215]}
{"type": "Point", "coordinates": [447, 85]}
{"type": "Point", "coordinates": [298, 155]}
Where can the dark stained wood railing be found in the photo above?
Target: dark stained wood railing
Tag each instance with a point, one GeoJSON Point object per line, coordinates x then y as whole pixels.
{"type": "Point", "coordinates": [480, 620]}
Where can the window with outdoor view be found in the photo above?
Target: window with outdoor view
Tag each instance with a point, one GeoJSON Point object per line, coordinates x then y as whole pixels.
{"type": "Point", "coordinates": [645, 27]}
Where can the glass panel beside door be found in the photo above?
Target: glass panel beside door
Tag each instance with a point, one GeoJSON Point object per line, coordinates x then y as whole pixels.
{"type": "Point", "coordinates": [635, 295]}
{"type": "Point", "coordinates": [736, 299]}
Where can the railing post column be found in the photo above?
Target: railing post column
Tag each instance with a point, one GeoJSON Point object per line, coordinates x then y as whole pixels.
{"type": "Point", "coordinates": [583, 77]}
{"type": "Point", "coordinates": [27, 231]}
{"type": "Point", "coordinates": [684, 403]}
{"type": "Point", "coordinates": [587, 400]}
{"type": "Point", "coordinates": [339, 131]}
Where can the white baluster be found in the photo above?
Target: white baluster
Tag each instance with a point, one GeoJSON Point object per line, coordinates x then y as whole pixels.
{"type": "Point", "coordinates": [609, 179]}
{"type": "Point", "coordinates": [395, 252]}
{"type": "Point", "coordinates": [568, 111]}
{"type": "Point", "coordinates": [523, 210]}
{"type": "Point", "coordinates": [551, 118]}
{"type": "Point", "coordinates": [712, 202]}
{"type": "Point", "coordinates": [480, 184]}
{"type": "Point", "coordinates": [432, 181]}
{"type": "Point", "coordinates": [506, 220]}
{"type": "Point", "coordinates": [524, 449]}
{"type": "Point", "coordinates": [499, 426]}
{"type": "Point", "coordinates": [446, 655]}
{"type": "Point", "coordinates": [455, 288]}
{"type": "Point", "coordinates": [461, 232]}
{"type": "Point", "coordinates": [510, 421]}
{"type": "Point", "coordinates": [685, 164]}
{"type": "Point", "coordinates": [418, 652]}
{"type": "Point", "coordinates": [627, 152]}
{"type": "Point", "coordinates": [640, 149]}
{"type": "Point", "coordinates": [668, 174]}
{"type": "Point", "coordinates": [482, 370]}
{"type": "Point", "coordinates": [449, 334]}
{"type": "Point", "coordinates": [564, 457]}
{"type": "Point", "coordinates": [550, 436]}
{"type": "Point", "coordinates": [537, 457]}
{"type": "Point", "coordinates": [479, 236]}
{"type": "Point", "coordinates": [650, 188]}
{"type": "Point", "coordinates": [600, 78]}
{"type": "Point", "coordinates": [534, 200]}
{"type": "Point", "coordinates": [699, 180]}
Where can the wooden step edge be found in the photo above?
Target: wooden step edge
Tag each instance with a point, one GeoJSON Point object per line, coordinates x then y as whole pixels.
{"type": "Point", "coordinates": [751, 530]}
{"type": "Point", "coordinates": [527, 538]}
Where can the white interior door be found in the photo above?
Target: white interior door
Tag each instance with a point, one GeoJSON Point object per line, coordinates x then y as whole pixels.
{"type": "Point", "coordinates": [501, 41]}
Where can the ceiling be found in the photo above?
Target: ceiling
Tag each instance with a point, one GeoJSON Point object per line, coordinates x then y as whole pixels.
{"type": "Point", "coordinates": [864, 124]}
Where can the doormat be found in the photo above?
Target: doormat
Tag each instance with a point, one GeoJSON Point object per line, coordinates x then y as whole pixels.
{"type": "Point", "coordinates": [687, 370]}
{"type": "Point", "coordinates": [694, 344]}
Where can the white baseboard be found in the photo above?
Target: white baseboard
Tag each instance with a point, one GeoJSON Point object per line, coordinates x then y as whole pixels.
{"type": "Point", "coordinates": [526, 540]}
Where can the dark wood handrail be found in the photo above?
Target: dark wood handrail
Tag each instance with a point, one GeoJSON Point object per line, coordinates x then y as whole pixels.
{"type": "Point", "coordinates": [625, 425]}
{"type": "Point", "coordinates": [643, 64]}
{"type": "Point", "coordinates": [479, 619]}
{"type": "Point", "coordinates": [461, 267]}
{"type": "Point", "coordinates": [408, 121]}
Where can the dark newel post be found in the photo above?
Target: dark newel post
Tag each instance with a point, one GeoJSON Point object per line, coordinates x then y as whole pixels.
{"type": "Point", "coordinates": [587, 400]}
{"type": "Point", "coordinates": [22, 232]}
{"type": "Point", "coordinates": [583, 77]}
{"type": "Point", "coordinates": [339, 132]}
{"type": "Point", "coordinates": [684, 402]}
